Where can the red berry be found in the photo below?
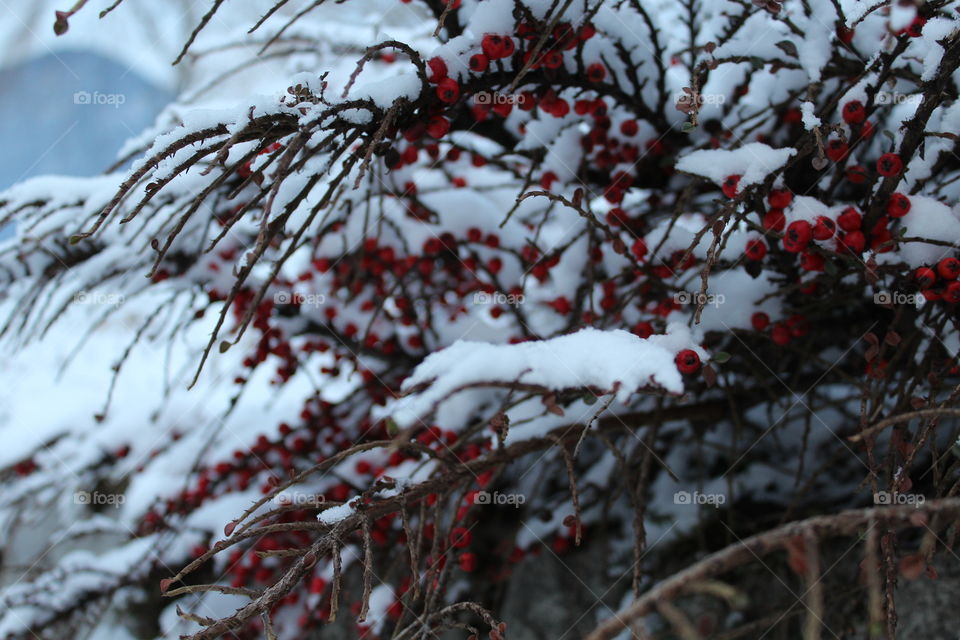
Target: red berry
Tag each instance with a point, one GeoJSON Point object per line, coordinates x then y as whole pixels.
{"type": "Point", "coordinates": [561, 305]}
{"type": "Point", "coordinates": [881, 240]}
{"type": "Point", "coordinates": [629, 128]}
{"type": "Point", "coordinates": [854, 113]}
{"type": "Point", "coordinates": [845, 35]}
{"type": "Point", "coordinates": [952, 293]}
{"type": "Point", "coordinates": [492, 46]}
{"type": "Point", "coordinates": [756, 250]}
{"type": "Point", "coordinates": [317, 585]}
{"type": "Point", "coordinates": [438, 127]}
{"type": "Point", "coordinates": [729, 186]}
{"type": "Point", "coordinates": [552, 59]}
{"type": "Point", "coordinates": [760, 320]}
{"type": "Point", "coordinates": [448, 90]}
{"type": "Point", "coordinates": [468, 562]}
{"type": "Point", "coordinates": [688, 361]}
{"type": "Point", "coordinates": [811, 261]}
{"type": "Point", "coordinates": [479, 63]}
{"type": "Point", "coordinates": [925, 277]}
{"type": "Point", "coordinates": [596, 72]}
{"type": "Point", "coordinates": [798, 325]}
{"type": "Point", "coordinates": [824, 228]}
{"type": "Point", "coordinates": [916, 27]}
{"type": "Point", "coordinates": [780, 334]}
{"type": "Point", "coordinates": [898, 205]}
{"type": "Point", "coordinates": [643, 329]}
{"type": "Point", "coordinates": [853, 241]}
{"type": "Point", "coordinates": [949, 268]}
{"type": "Point", "coordinates": [780, 198]}
{"type": "Point", "coordinates": [792, 116]}
{"type": "Point", "coordinates": [837, 149]}
{"type": "Point", "coordinates": [774, 220]}
{"type": "Point", "coordinates": [460, 537]}
{"type": "Point", "coordinates": [438, 69]}
{"type": "Point", "coordinates": [797, 236]}
{"type": "Point", "coordinates": [889, 164]}
{"type": "Point", "coordinates": [850, 219]}
{"type": "Point", "coordinates": [503, 109]}
{"type": "Point", "coordinates": [639, 249]}
{"type": "Point", "coordinates": [856, 174]}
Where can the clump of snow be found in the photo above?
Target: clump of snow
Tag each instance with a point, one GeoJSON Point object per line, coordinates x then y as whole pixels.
{"type": "Point", "coordinates": [733, 297]}
{"type": "Point", "coordinates": [492, 16]}
{"type": "Point", "coordinates": [753, 162]}
{"type": "Point", "coordinates": [810, 120]}
{"type": "Point", "coordinates": [901, 15]}
{"type": "Point", "coordinates": [386, 91]}
{"type": "Point", "coordinates": [930, 219]}
{"type": "Point", "coordinates": [335, 514]}
{"type": "Point", "coordinates": [935, 30]}
{"type": "Point", "coordinates": [588, 358]}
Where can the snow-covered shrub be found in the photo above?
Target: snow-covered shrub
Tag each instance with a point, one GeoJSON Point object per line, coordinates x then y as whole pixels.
{"type": "Point", "coordinates": [654, 267]}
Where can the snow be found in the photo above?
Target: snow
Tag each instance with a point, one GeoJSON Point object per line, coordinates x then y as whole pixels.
{"type": "Point", "coordinates": [734, 296]}
{"type": "Point", "coordinates": [613, 361]}
{"type": "Point", "coordinates": [935, 30]}
{"type": "Point", "coordinates": [810, 120]}
{"type": "Point", "coordinates": [931, 219]}
{"type": "Point", "coordinates": [901, 15]}
{"type": "Point", "coordinates": [386, 91]}
{"type": "Point", "coordinates": [753, 162]}
{"type": "Point", "coordinates": [492, 16]}
{"type": "Point", "coordinates": [814, 50]}
{"type": "Point", "coordinates": [336, 514]}
{"type": "Point", "coordinates": [473, 357]}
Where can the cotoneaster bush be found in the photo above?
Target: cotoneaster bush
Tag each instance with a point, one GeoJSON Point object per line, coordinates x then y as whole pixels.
{"type": "Point", "coordinates": [586, 253]}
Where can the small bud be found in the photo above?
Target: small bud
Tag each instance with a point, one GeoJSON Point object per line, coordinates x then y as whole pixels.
{"type": "Point", "coordinates": [61, 25]}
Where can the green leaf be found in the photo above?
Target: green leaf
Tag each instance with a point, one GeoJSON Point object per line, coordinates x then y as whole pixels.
{"type": "Point", "coordinates": [687, 127]}
{"type": "Point", "coordinates": [392, 427]}
{"type": "Point", "coordinates": [720, 357]}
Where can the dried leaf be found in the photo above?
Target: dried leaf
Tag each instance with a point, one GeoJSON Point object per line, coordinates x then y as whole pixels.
{"type": "Point", "coordinates": [912, 566]}
{"type": "Point", "coordinates": [709, 376]}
